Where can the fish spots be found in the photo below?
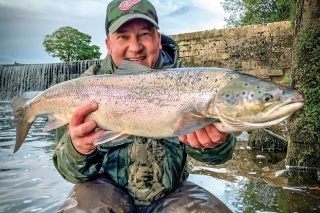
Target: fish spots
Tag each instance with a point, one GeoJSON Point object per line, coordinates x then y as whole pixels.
{"type": "Point", "coordinates": [250, 96]}
{"type": "Point", "coordinates": [246, 96]}
{"type": "Point", "coordinates": [229, 98]}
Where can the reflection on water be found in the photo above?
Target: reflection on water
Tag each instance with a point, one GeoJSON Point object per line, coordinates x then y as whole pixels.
{"type": "Point", "coordinates": [28, 179]}
{"type": "Point", "coordinates": [255, 181]}
{"type": "Point", "coordinates": [30, 183]}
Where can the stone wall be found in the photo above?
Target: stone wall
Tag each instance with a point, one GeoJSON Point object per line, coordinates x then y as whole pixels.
{"type": "Point", "coordinates": [261, 50]}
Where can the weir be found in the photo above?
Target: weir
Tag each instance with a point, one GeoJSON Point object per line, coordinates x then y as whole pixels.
{"type": "Point", "coordinates": [17, 79]}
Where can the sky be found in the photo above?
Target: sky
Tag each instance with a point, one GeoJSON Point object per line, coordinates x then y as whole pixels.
{"type": "Point", "coordinates": [24, 23]}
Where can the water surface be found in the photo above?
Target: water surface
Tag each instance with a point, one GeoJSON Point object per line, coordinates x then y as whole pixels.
{"type": "Point", "coordinates": [28, 179]}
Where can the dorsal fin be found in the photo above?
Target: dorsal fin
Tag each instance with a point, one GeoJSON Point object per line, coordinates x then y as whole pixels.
{"type": "Point", "coordinates": [127, 67]}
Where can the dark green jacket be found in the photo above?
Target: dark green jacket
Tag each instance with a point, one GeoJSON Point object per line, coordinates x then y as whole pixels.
{"type": "Point", "coordinates": [148, 168]}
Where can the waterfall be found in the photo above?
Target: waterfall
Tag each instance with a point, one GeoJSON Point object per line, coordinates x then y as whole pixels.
{"type": "Point", "coordinates": [17, 79]}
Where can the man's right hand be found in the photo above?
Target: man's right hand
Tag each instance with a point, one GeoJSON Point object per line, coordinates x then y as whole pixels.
{"type": "Point", "coordinates": [82, 132]}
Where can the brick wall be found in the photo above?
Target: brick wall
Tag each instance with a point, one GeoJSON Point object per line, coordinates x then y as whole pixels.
{"type": "Point", "coordinates": [261, 50]}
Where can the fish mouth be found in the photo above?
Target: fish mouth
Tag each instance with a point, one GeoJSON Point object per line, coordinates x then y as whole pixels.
{"type": "Point", "coordinates": [270, 118]}
{"type": "Point", "coordinates": [287, 108]}
{"type": "Point", "coordinates": [278, 114]}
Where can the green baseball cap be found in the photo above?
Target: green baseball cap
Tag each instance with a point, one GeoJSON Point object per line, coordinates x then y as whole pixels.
{"type": "Point", "coordinates": [121, 11]}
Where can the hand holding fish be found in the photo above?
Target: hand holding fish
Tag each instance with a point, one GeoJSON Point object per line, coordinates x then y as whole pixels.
{"type": "Point", "coordinates": [82, 133]}
{"type": "Point", "coordinates": [207, 137]}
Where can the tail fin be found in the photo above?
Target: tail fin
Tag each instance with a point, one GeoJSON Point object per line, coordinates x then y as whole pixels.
{"type": "Point", "coordinates": [22, 126]}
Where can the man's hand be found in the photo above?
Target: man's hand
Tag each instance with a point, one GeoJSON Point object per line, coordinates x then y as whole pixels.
{"type": "Point", "coordinates": [208, 137]}
{"type": "Point", "coordinates": [83, 133]}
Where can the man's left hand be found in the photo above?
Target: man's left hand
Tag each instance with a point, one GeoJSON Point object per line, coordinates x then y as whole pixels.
{"type": "Point", "coordinates": [207, 137]}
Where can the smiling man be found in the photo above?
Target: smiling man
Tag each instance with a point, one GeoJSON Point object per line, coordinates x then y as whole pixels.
{"type": "Point", "coordinates": [136, 40]}
{"type": "Point", "coordinates": [136, 174]}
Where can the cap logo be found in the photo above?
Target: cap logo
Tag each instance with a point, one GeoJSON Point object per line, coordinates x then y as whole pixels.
{"type": "Point", "coordinates": [127, 4]}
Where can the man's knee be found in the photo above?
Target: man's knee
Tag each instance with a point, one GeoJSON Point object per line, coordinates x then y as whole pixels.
{"type": "Point", "coordinates": [189, 197]}
{"type": "Point", "coordinates": [98, 195]}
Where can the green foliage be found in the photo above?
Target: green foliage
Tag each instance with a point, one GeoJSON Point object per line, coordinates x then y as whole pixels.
{"type": "Point", "coordinates": [69, 44]}
{"type": "Point", "coordinates": [196, 38]}
{"type": "Point", "coordinates": [307, 80]}
{"type": "Point", "coordinates": [287, 80]}
{"type": "Point", "coordinates": [191, 62]}
{"type": "Point", "coordinates": [251, 12]}
{"type": "Point", "coordinates": [303, 156]}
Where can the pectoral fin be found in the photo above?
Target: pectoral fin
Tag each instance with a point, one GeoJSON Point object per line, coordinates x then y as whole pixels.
{"type": "Point", "coordinates": [54, 123]}
{"type": "Point", "coordinates": [191, 122]}
{"type": "Point", "coordinates": [110, 136]}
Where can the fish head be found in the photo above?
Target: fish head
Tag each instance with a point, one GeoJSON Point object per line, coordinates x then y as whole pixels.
{"type": "Point", "coordinates": [247, 103]}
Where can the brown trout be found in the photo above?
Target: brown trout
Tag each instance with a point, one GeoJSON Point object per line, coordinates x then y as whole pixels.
{"type": "Point", "coordinates": [137, 100]}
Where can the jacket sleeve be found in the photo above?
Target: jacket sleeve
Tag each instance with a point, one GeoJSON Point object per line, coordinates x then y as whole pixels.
{"type": "Point", "coordinates": [217, 155]}
{"type": "Point", "coordinates": [73, 166]}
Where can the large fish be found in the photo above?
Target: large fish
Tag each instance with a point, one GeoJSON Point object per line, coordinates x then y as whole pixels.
{"type": "Point", "coordinates": [137, 100]}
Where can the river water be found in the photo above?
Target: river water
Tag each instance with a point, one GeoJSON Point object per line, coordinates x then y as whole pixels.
{"type": "Point", "coordinates": [252, 181]}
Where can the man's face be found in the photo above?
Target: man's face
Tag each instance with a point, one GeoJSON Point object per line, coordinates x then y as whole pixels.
{"type": "Point", "coordinates": [137, 41]}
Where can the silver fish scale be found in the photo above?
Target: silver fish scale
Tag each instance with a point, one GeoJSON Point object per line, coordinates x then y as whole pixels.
{"type": "Point", "coordinates": [149, 103]}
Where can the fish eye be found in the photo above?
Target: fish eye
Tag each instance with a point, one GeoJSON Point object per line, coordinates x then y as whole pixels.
{"type": "Point", "coordinates": [267, 97]}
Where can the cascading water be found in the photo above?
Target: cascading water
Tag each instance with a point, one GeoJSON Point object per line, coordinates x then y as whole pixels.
{"type": "Point", "coordinates": [15, 80]}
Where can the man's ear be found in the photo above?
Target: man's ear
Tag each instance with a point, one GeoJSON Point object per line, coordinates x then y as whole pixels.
{"type": "Point", "coordinates": [159, 38]}
{"type": "Point", "coordinates": [108, 46]}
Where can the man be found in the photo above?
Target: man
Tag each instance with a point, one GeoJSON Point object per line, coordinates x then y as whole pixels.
{"type": "Point", "coordinates": [138, 174]}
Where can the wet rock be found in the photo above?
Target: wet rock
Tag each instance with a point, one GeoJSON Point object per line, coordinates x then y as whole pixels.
{"type": "Point", "coordinates": [268, 140]}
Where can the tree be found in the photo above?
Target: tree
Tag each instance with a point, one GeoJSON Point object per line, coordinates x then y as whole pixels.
{"type": "Point", "coordinates": [248, 12]}
{"type": "Point", "coordinates": [69, 44]}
